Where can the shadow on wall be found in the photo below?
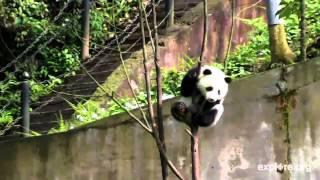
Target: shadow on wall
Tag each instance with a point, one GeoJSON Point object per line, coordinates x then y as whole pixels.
{"type": "Point", "coordinates": [258, 132]}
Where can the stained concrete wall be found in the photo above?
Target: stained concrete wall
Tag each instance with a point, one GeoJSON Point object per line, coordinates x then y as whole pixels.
{"type": "Point", "coordinates": [187, 39]}
{"type": "Point", "coordinates": [257, 127]}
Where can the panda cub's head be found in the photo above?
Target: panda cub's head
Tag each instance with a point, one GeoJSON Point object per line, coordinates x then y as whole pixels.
{"type": "Point", "coordinates": [212, 83]}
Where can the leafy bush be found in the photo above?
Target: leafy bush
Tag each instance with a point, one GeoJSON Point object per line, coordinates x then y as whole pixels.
{"type": "Point", "coordinates": [107, 16]}
{"type": "Point", "coordinates": [172, 81]}
{"type": "Point", "coordinates": [291, 13]}
{"type": "Point", "coordinates": [91, 110]}
{"type": "Point", "coordinates": [250, 57]}
{"type": "Point", "coordinates": [46, 62]}
{"type": "Point", "coordinates": [9, 100]}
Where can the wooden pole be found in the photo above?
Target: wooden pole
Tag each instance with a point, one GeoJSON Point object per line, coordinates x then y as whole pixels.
{"type": "Point", "coordinates": [303, 53]}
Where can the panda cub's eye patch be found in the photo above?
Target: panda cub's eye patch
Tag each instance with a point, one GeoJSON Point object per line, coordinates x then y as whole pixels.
{"type": "Point", "coordinates": [209, 88]}
{"type": "Point", "coordinates": [207, 72]}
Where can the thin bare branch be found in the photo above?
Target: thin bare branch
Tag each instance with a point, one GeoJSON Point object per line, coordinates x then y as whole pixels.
{"type": "Point", "coordinates": [127, 76]}
{"type": "Point", "coordinates": [155, 135]}
{"type": "Point", "coordinates": [249, 7]}
{"type": "Point", "coordinates": [73, 94]}
{"type": "Point", "coordinates": [233, 9]}
{"type": "Point", "coordinates": [159, 92]}
{"type": "Point", "coordinates": [131, 115]}
{"type": "Point", "coordinates": [163, 156]}
{"type": "Point", "coordinates": [146, 70]}
{"type": "Point", "coordinates": [148, 27]}
{"type": "Point", "coordinates": [194, 127]}
{"type": "Point", "coordinates": [5, 44]}
{"type": "Point", "coordinates": [111, 96]}
{"type": "Point", "coordinates": [303, 53]}
{"type": "Point", "coordinates": [195, 153]}
{"type": "Point", "coordinates": [205, 32]}
{"type": "Point", "coordinates": [129, 82]}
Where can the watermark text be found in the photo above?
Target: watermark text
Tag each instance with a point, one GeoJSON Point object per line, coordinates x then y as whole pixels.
{"type": "Point", "coordinates": [284, 167]}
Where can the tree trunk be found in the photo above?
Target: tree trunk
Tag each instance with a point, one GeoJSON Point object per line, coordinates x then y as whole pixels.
{"type": "Point", "coordinates": [280, 50]}
{"type": "Point", "coordinates": [85, 30]}
{"type": "Point", "coordinates": [303, 53]}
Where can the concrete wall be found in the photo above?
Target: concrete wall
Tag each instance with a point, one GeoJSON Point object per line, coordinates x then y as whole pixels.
{"type": "Point", "coordinates": [257, 128]}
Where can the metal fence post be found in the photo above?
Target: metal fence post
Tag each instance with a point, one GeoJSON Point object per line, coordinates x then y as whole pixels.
{"type": "Point", "coordinates": [25, 102]}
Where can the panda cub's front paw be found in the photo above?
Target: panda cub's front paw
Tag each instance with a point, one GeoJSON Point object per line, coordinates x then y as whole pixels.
{"type": "Point", "coordinates": [219, 111]}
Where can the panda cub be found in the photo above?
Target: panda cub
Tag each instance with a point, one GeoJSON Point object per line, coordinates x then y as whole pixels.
{"type": "Point", "coordinates": [202, 97]}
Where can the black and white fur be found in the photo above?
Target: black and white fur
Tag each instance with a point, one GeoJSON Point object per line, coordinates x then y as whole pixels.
{"type": "Point", "coordinates": [202, 97]}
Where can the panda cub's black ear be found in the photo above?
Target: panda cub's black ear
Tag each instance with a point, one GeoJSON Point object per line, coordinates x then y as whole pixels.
{"type": "Point", "coordinates": [207, 72]}
{"type": "Point", "coordinates": [228, 79]}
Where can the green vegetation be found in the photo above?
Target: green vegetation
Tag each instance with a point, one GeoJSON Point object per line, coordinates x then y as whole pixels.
{"type": "Point", "coordinates": [57, 53]}
{"type": "Point", "coordinates": [244, 61]}
{"type": "Point", "coordinates": [247, 59]}
{"type": "Point", "coordinates": [291, 14]}
{"type": "Point", "coordinates": [253, 56]}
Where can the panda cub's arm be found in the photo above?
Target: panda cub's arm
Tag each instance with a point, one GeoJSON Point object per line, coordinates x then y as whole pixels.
{"type": "Point", "coordinates": [209, 118]}
{"type": "Point", "coordinates": [219, 111]}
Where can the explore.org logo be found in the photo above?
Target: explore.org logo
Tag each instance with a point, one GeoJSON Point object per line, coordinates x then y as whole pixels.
{"type": "Point", "coordinates": [284, 167]}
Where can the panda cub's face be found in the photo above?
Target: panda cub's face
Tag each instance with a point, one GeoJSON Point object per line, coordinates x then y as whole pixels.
{"type": "Point", "coordinates": [212, 83]}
